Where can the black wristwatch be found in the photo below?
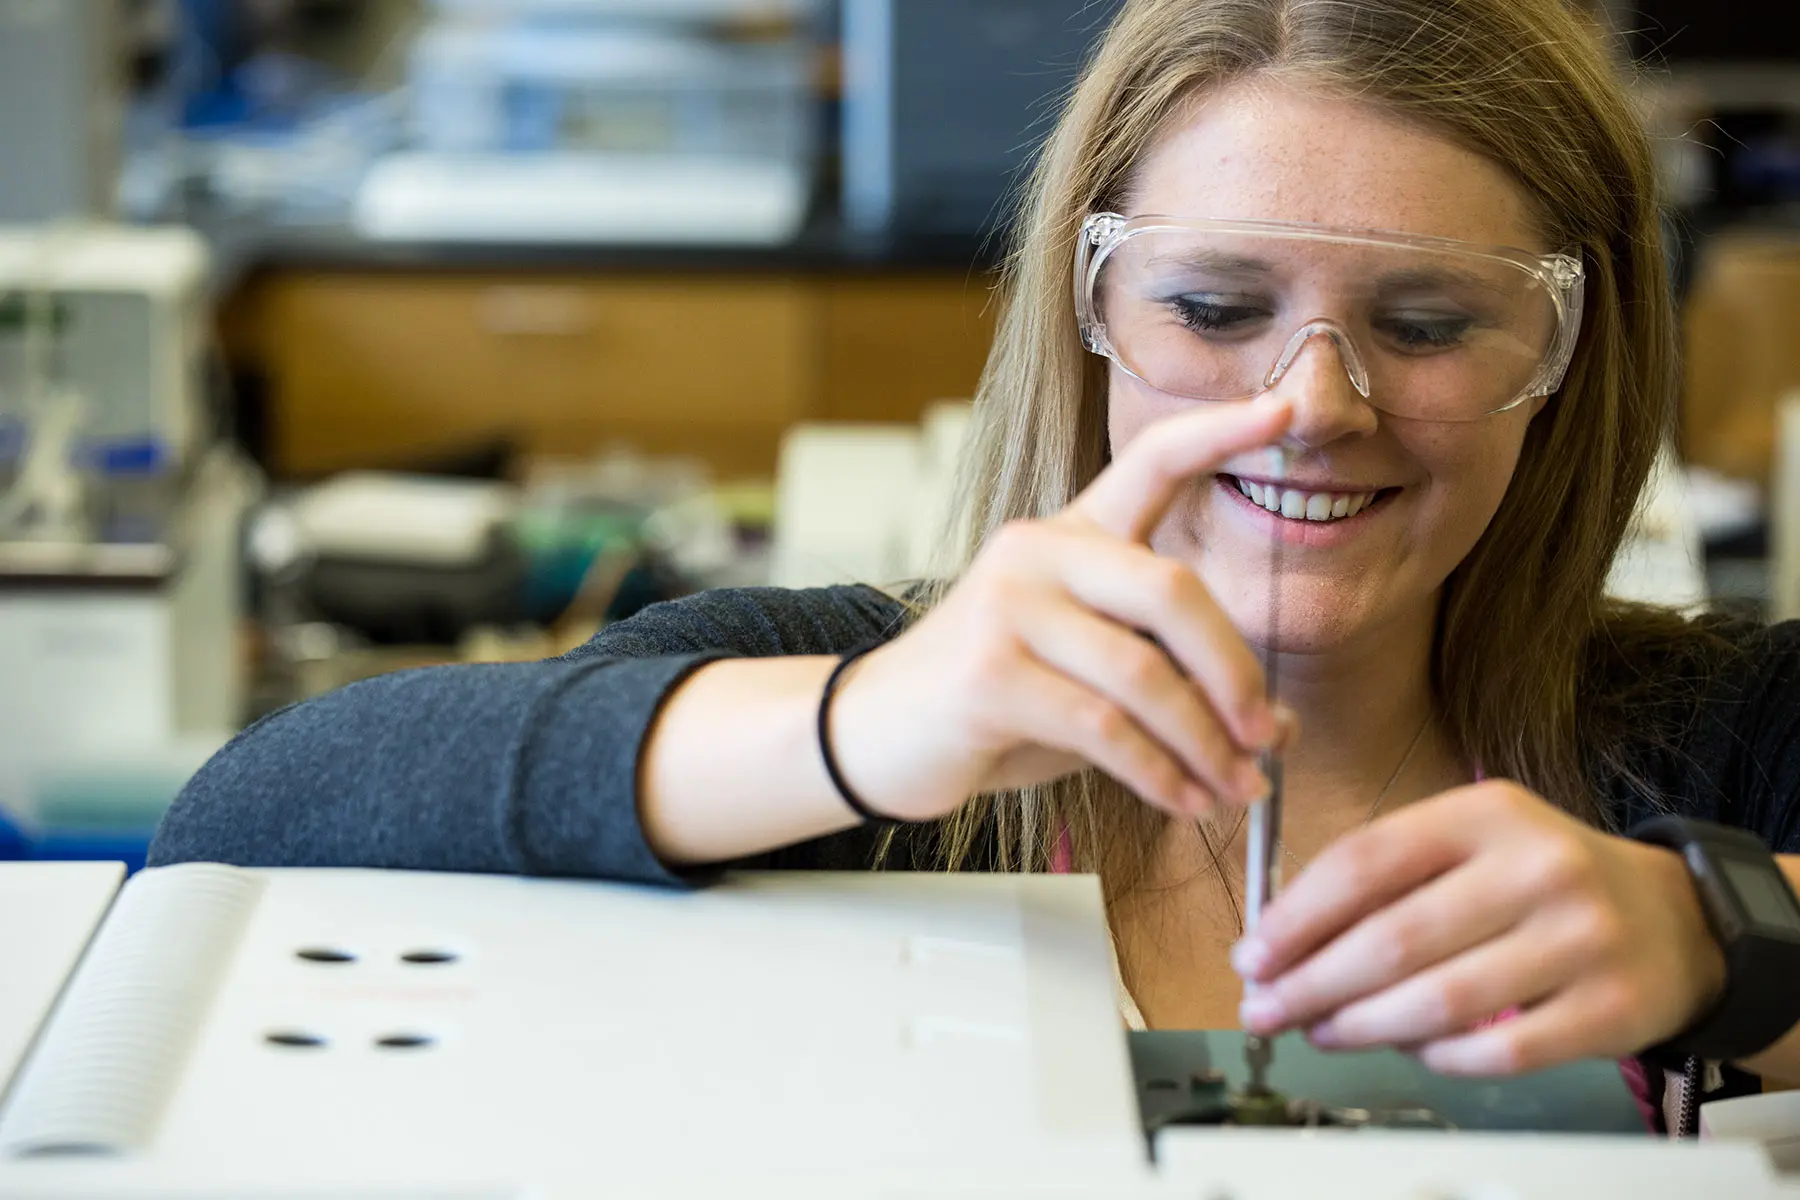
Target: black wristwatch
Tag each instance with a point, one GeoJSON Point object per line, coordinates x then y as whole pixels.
{"type": "Point", "coordinates": [1754, 914]}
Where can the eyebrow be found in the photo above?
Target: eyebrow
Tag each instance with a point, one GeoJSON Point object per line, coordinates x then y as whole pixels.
{"type": "Point", "coordinates": [1396, 281]}
{"type": "Point", "coordinates": [1237, 265]}
{"type": "Point", "coordinates": [1212, 260]}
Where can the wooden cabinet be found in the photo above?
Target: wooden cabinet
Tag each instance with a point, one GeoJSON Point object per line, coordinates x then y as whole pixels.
{"type": "Point", "coordinates": [386, 367]}
{"type": "Point", "coordinates": [1742, 356]}
{"type": "Point", "coordinates": [893, 345]}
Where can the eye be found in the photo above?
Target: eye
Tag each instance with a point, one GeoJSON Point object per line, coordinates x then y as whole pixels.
{"type": "Point", "coordinates": [1425, 331]}
{"type": "Point", "coordinates": [1210, 314]}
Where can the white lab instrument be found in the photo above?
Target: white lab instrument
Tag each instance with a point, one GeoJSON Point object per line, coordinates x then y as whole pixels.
{"type": "Point", "coordinates": [1772, 1120]}
{"type": "Point", "coordinates": [845, 504]}
{"type": "Point", "coordinates": [122, 657]}
{"type": "Point", "coordinates": [360, 1033]}
{"type": "Point", "coordinates": [590, 199]}
{"type": "Point", "coordinates": [1662, 560]}
{"type": "Point", "coordinates": [128, 322]}
{"type": "Point", "coordinates": [386, 517]}
{"type": "Point", "coordinates": [60, 905]}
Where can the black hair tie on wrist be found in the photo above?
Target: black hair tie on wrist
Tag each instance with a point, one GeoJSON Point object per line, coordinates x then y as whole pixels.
{"type": "Point", "coordinates": [848, 794]}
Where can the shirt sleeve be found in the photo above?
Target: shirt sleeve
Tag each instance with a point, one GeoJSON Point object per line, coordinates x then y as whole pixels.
{"type": "Point", "coordinates": [525, 768]}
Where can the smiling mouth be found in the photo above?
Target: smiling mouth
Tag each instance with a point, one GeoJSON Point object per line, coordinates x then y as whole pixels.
{"type": "Point", "coordinates": [1297, 505]}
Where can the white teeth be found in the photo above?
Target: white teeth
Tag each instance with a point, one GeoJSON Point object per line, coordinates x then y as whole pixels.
{"type": "Point", "coordinates": [1304, 506]}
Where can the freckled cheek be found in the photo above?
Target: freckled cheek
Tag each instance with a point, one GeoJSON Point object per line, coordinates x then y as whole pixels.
{"type": "Point", "coordinates": [1131, 407]}
{"type": "Point", "coordinates": [1468, 472]}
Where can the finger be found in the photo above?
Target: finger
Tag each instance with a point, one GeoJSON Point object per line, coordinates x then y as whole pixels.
{"type": "Point", "coordinates": [1050, 709]}
{"type": "Point", "coordinates": [1357, 875]}
{"type": "Point", "coordinates": [1454, 996]}
{"type": "Point", "coordinates": [1131, 671]}
{"type": "Point", "coordinates": [1583, 1022]}
{"type": "Point", "coordinates": [1131, 495]}
{"type": "Point", "coordinates": [1166, 599]}
{"type": "Point", "coordinates": [1454, 913]}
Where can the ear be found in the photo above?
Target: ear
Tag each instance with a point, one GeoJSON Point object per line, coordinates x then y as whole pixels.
{"type": "Point", "coordinates": [1537, 405]}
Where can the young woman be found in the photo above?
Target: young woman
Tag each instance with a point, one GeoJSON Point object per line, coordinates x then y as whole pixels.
{"type": "Point", "coordinates": [1412, 244]}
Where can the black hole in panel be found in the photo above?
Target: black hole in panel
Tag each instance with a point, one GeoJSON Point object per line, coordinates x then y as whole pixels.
{"type": "Point", "coordinates": [428, 958]}
{"type": "Point", "coordinates": [324, 954]}
{"type": "Point", "coordinates": [404, 1041]}
{"type": "Point", "coordinates": [294, 1039]}
{"type": "Point", "coordinates": [1161, 1085]}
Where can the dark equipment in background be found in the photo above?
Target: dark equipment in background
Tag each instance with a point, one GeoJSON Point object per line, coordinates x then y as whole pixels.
{"type": "Point", "coordinates": [945, 102]}
{"type": "Point", "coordinates": [1678, 32]}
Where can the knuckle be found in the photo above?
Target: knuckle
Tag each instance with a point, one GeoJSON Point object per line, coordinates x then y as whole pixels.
{"type": "Point", "coordinates": [1495, 798]}
{"type": "Point", "coordinates": [1558, 867]}
{"type": "Point", "coordinates": [1103, 721]}
{"type": "Point", "coordinates": [1164, 778]}
{"type": "Point", "coordinates": [1142, 666]}
{"type": "Point", "coordinates": [1360, 861]}
{"type": "Point", "coordinates": [1405, 942]}
{"type": "Point", "coordinates": [1615, 1003]}
{"type": "Point", "coordinates": [1597, 929]}
{"type": "Point", "coordinates": [1169, 583]}
{"type": "Point", "coordinates": [1458, 1002]}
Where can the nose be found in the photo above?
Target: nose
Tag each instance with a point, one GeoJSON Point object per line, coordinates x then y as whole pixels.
{"type": "Point", "coordinates": [1322, 374]}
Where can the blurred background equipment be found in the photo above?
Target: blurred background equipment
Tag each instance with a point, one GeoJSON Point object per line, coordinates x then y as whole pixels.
{"type": "Point", "coordinates": [451, 330]}
{"type": "Point", "coordinates": [945, 101]}
{"type": "Point", "coordinates": [602, 121]}
{"type": "Point", "coordinates": [109, 325]}
{"type": "Point", "coordinates": [62, 108]}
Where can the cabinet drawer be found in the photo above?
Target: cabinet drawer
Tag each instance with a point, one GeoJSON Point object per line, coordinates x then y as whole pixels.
{"type": "Point", "coordinates": [373, 367]}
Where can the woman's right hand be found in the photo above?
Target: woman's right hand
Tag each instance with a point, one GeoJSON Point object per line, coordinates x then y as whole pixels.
{"type": "Point", "coordinates": [1040, 660]}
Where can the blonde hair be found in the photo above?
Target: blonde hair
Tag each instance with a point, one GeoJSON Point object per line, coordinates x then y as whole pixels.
{"type": "Point", "coordinates": [1527, 84]}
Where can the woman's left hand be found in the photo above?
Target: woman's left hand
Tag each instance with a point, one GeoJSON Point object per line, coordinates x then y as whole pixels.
{"type": "Point", "coordinates": [1416, 930]}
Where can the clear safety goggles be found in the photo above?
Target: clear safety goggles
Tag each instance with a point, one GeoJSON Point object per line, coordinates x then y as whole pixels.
{"type": "Point", "coordinates": [1426, 328]}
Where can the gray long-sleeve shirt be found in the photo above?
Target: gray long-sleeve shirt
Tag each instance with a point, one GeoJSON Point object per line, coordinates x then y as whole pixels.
{"type": "Point", "coordinates": [515, 767]}
{"type": "Point", "coordinates": [533, 767]}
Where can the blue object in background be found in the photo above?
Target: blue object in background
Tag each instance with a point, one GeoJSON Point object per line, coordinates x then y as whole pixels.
{"type": "Point", "coordinates": [13, 844]}
{"type": "Point", "coordinates": [127, 846]}
{"type": "Point", "coordinates": [20, 842]}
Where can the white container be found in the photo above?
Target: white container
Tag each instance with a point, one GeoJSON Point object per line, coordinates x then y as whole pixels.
{"type": "Point", "coordinates": [525, 87]}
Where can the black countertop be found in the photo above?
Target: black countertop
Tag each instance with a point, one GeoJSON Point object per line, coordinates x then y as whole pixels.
{"type": "Point", "coordinates": [245, 245]}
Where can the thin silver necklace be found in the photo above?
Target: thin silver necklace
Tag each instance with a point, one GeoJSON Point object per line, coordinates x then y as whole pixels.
{"type": "Point", "coordinates": [1379, 796]}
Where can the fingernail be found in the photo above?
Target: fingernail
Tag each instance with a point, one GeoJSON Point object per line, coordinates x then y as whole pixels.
{"type": "Point", "coordinates": [1262, 727]}
{"type": "Point", "coordinates": [1252, 784]}
{"type": "Point", "coordinates": [1250, 956]}
{"type": "Point", "coordinates": [1287, 723]}
{"type": "Point", "coordinates": [1260, 1011]}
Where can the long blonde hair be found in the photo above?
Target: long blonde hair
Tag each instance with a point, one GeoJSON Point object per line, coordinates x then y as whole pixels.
{"type": "Point", "coordinates": [1529, 85]}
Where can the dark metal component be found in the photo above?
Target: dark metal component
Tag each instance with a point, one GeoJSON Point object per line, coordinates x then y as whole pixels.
{"type": "Point", "coordinates": [1264, 1107]}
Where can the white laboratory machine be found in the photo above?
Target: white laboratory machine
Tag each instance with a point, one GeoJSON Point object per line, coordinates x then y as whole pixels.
{"type": "Point", "coordinates": [212, 1032]}
{"type": "Point", "coordinates": [119, 525]}
{"type": "Point", "coordinates": [120, 313]}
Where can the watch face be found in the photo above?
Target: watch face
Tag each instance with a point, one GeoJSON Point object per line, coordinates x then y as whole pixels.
{"type": "Point", "coordinates": [1765, 895]}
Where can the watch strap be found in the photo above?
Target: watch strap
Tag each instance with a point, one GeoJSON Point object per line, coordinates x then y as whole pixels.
{"type": "Point", "coordinates": [1759, 1003]}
